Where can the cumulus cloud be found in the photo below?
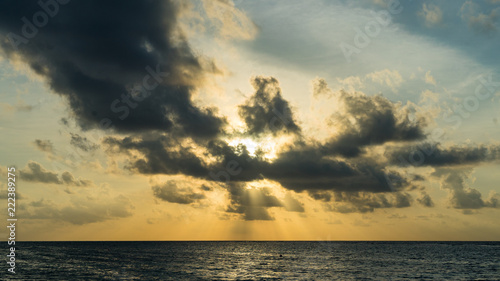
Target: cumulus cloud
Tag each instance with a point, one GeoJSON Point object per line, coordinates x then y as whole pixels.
{"type": "Point", "coordinates": [478, 21]}
{"type": "Point", "coordinates": [302, 166]}
{"type": "Point", "coordinates": [135, 74]}
{"type": "Point", "coordinates": [34, 172]}
{"type": "Point", "coordinates": [351, 83]}
{"type": "Point", "coordinates": [82, 142]}
{"type": "Point", "coordinates": [252, 203]}
{"type": "Point", "coordinates": [291, 204]}
{"type": "Point", "coordinates": [320, 88]}
{"type": "Point", "coordinates": [371, 120]}
{"type": "Point", "coordinates": [462, 196]}
{"type": "Point", "coordinates": [44, 145]}
{"type": "Point", "coordinates": [139, 73]}
{"type": "Point", "coordinates": [309, 169]}
{"type": "Point", "coordinates": [162, 155]}
{"type": "Point", "coordinates": [433, 154]}
{"type": "Point", "coordinates": [228, 21]}
{"type": "Point", "coordinates": [431, 14]}
{"type": "Point", "coordinates": [390, 78]}
{"type": "Point", "coordinates": [425, 199]}
{"type": "Point", "coordinates": [170, 192]}
{"type": "Point", "coordinates": [68, 179]}
{"type": "Point", "coordinates": [429, 79]}
{"type": "Point", "coordinates": [267, 110]}
{"type": "Point", "coordinates": [4, 192]}
{"type": "Point", "coordinates": [80, 212]}
{"type": "Point", "coordinates": [363, 202]}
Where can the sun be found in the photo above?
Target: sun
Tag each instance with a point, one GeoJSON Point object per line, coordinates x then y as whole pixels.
{"type": "Point", "coordinates": [268, 146]}
{"type": "Point", "coordinates": [251, 145]}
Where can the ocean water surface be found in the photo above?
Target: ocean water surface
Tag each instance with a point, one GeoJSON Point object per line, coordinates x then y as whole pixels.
{"type": "Point", "coordinates": [257, 261]}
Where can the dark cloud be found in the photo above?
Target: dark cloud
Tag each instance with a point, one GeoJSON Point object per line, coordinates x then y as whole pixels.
{"type": "Point", "coordinates": [81, 212]}
{"type": "Point", "coordinates": [321, 195]}
{"type": "Point", "coordinates": [128, 66]}
{"type": "Point", "coordinates": [418, 178]}
{"type": "Point", "coordinates": [402, 200]}
{"type": "Point", "coordinates": [234, 164]}
{"type": "Point", "coordinates": [68, 179]}
{"type": "Point", "coordinates": [462, 196]}
{"type": "Point", "coordinates": [308, 169]}
{"type": "Point", "coordinates": [320, 88]}
{"type": "Point", "coordinates": [4, 193]}
{"type": "Point", "coordinates": [267, 110]}
{"type": "Point", "coordinates": [162, 155]}
{"type": "Point", "coordinates": [82, 142]}
{"type": "Point", "coordinates": [425, 199]}
{"type": "Point", "coordinates": [40, 203]}
{"type": "Point", "coordinates": [34, 172]}
{"type": "Point", "coordinates": [44, 145]}
{"type": "Point", "coordinates": [170, 192]}
{"type": "Point", "coordinates": [206, 187]}
{"type": "Point", "coordinates": [252, 213]}
{"type": "Point", "coordinates": [293, 205]}
{"type": "Point", "coordinates": [125, 65]}
{"type": "Point", "coordinates": [371, 120]}
{"type": "Point", "coordinates": [300, 168]}
{"type": "Point", "coordinates": [426, 154]}
{"type": "Point", "coordinates": [304, 167]}
{"type": "Point", "coordinates": [252, 203]}
{"type": "Point", "coordinates": [363, 202]}
{"type": "Point", "coordinates": [477, 20]}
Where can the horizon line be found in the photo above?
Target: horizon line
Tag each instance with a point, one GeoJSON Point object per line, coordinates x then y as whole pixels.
{"type": "Point", "coordinates": [49, 241]}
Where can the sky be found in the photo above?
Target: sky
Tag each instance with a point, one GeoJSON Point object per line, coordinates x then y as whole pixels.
{"type": "Point", "coordinates": [251, 120]}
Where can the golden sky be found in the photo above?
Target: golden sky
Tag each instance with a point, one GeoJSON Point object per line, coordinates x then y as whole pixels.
{"type": "Point", "coordinates": [252, 120]}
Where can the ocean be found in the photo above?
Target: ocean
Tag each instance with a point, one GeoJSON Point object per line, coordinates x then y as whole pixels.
{"type": "Point", "coordinates": [256, 261]}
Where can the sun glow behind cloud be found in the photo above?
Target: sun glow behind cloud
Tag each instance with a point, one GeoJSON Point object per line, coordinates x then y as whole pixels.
{"type": "Point", "coordinates": [267, 147]}
{"type": "Point", "coordinates": [293, 180]}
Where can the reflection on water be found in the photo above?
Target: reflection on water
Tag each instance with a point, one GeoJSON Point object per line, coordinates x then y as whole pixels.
{"type": "Point", "coordinates": [258, 260]}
